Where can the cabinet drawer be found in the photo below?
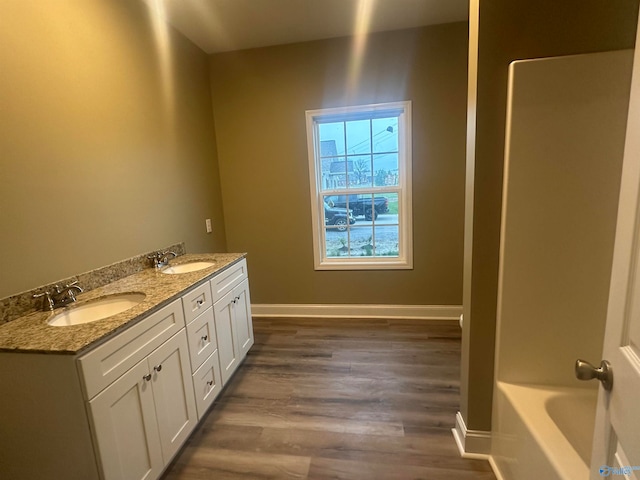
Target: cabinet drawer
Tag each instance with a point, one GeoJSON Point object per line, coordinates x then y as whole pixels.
{"type": "Point", "coordinates": [196, 301]}
{"type": "Point", "coordinates": [207, 383]}
{"type": "Point", "coordinates": [106, 363]}
{"type": "Point", "coordinates": [201, 334]}
{"type": "Point", "coordinates": [224, 282]}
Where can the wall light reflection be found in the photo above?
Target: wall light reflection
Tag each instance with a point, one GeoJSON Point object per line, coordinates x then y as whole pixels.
{"type": "Point", "coordinates": [361, 31]}
{"type": "Point", "coordinates": [164, 53]}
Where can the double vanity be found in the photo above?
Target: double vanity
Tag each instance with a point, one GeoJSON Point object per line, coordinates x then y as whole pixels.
{"type": "Point", "coordinates": [112, 386]}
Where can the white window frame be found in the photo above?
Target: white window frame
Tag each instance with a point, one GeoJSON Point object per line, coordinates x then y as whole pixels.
{"type": "Point", "coordinates": [405, 240]}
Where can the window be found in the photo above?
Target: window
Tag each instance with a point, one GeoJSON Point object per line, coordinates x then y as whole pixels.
{"type": "Point", "coordinates": [360, 175]}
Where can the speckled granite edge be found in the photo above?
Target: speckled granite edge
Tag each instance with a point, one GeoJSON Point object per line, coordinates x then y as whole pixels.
{"type": "Point", "coordinates": [32, 333]}
{"type": "Point", "coordinates": [23, 303]}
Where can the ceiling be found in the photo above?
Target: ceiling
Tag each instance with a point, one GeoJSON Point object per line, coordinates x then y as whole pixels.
{"type": "Point", "coordinates": [225, 25]}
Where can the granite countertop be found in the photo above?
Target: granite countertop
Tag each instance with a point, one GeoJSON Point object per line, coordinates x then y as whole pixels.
{"type": "Point", "coordinates": [31, 333]}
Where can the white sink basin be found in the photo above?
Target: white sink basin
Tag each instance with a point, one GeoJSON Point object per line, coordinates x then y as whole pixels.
{"type": "Point", "coordinates": [95, 310]}
{"type": "Point", "coordinates": [187, 267]}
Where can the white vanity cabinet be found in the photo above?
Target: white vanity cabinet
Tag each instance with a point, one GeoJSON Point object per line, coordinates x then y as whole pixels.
{"type": "Point", "coordinates": [142, 418]}
{"type": "Point", "coordinates": [232, 312]}
{"type": "Point", "coordinates": [123, 409]}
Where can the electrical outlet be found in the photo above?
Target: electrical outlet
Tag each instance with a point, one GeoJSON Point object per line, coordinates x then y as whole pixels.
{"type": "Point", "coordinates": [208, 223]}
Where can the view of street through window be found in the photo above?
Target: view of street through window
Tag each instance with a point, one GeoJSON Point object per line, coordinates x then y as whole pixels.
{"type": "Point", "coordinates": [359, 162]}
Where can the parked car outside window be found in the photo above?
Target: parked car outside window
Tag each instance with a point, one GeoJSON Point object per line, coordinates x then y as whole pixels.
{"type": "Point", "coordinates": [338, 217]}
{"type": "Point", "coordinates": [362, 205]}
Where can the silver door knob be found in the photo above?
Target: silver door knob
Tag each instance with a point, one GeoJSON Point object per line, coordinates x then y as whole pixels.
{"type": "Point", "coordinates": [586, 371]}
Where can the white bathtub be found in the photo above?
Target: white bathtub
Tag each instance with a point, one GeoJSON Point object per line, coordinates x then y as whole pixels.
{"type": "Point", "coordinates": [543, 432]}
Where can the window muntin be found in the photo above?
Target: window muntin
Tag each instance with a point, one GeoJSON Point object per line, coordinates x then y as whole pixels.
{"type": "Point", "coordinates": [360, 172]}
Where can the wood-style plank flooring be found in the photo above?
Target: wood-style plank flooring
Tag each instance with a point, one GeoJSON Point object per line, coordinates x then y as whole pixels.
{"type": "Point", "coordinates": [336, 399]}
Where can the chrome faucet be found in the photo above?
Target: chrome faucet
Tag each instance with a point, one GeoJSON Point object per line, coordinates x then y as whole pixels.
{"type": "Point", "coordinates": [60, 297]}
{"type": "Point", "coordinates": [160, 259]}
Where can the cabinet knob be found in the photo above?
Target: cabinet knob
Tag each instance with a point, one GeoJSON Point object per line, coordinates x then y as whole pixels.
{"type": "Point", "coordinates": [157, 368]}
{"type": "Point", "coordinates": [210, 383]}
{"type": "Point", "coordinates": [205, 338]}
{"type": "Point", "coordinates": [147, 377]}
{"type": "Point", "coordinates": [199, 303]}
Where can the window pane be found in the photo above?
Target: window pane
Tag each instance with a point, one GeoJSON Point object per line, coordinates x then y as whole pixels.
{"type": "Point", "coordinates": [339, 201]}
{"type": "Point", "coordinates": [360, 171]}
{"type": "Point", "coordinates": [334, 173]}
{"type": "Point", "coordinates": [335, 215]}
{"type": "Point", "coordinates": [386, 241]}
{"type": "Point", "coordinates": [364, 206]}
{"type": "Point", "coordinates": [387, 209]}
{"type": "Point", "coordinates": [373, 206]}
{"type": "Point", "coordinates": [361, 241]}
{"type": "Point", "coordinates": [331, 139]}
{"type": "Point", "coordinates": [358, 137]}
{"type": "Point", "coordinates": [386, 170]}
{"type": "Point", "coordinates": [385, 134]}
{"type": "Point", "coordinates": [337, 243]}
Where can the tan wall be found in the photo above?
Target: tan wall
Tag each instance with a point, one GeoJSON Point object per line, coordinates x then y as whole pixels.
{"type": "Point", "coordinates": [260, 97]}
{"type": "Point", "coordinates": [511, 30]}
{"type": "Point", "coordinates": [101, 160]}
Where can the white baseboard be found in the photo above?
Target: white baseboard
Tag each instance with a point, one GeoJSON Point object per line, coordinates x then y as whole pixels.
{"type": "Point", "coordinates": [471, 443]}
{"type": "Point", "coordinates": [418, 312]}
{"type": "Point", "coordinates": [496, 470]}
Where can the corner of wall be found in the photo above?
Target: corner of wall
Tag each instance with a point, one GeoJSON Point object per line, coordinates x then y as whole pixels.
{"type": "Point", "coordinates": [471, 443]}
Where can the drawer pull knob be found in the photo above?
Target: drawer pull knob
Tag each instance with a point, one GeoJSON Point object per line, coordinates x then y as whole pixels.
{"type": "Point", "coordinates": [157, 368]}
{"type": "Point", "coordinates": [210, 383]}
{"type": "Point", "coordinates": [199, 303]}
{"type": "Point", "coordinates": [147, 377]}
{"type": "Point", "coordinates": [205, 338]}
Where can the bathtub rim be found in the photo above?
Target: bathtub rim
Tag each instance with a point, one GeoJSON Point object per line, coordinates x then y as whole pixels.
{"type": "Point", "coordinates": [561, 454]}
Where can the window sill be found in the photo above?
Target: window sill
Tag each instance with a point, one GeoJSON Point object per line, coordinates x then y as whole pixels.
{"type": "Point", "coordinates": [343, 264]}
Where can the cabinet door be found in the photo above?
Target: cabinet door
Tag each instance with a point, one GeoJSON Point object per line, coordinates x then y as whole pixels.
{"type": "Point", "coordinates": [225, 326]}
{"type": "Point", "coordinates": [125, 428]}
{"type": "Point", "coordinates": [242, 318]}
{"type": "Point", "coordinates": [173, 393]}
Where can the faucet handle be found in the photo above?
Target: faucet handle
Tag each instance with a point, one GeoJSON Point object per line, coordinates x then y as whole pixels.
{"type": "Point", "coordinates": [159, 259]}
{"type": "Point", "coordinates": [155, 258]}
{"type": "Point", "coordinates": [47, 302]}
{"type": "Point", "coordinates": [75, 285]}
{"type": "Point", "coordinates": [60, 289]}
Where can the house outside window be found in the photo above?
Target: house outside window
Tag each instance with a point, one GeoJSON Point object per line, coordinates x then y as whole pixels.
{"type": "Point", "coordinates": [360, 178]}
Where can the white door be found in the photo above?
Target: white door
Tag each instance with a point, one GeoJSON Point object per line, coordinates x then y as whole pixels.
{"type": "Point", "coordinates": [225, 326]}
{"type": "Point", "coordinates": [617, 430]}
{"type": "Point", "coordinates": [125, 428]}
{"type": "Point", "coordinates": [173, 393]}
{"type": "Point", "coordinates": [242, 317]}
